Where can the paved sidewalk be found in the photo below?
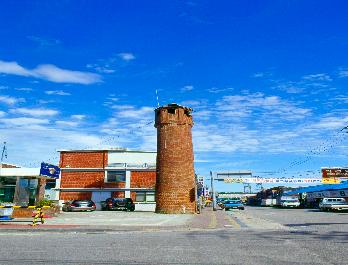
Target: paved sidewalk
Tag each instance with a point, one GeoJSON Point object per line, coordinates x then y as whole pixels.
{"type": "Point", "coordinates": [209, 219]}
{"type": "Point", "coordinates": [122, 221]}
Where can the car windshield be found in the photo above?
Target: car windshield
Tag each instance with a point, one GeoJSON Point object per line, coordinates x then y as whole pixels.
{"type": "Point", "coordinates": [234, 201]}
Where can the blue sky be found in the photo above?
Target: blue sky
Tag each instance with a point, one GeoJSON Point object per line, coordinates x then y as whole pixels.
{"type": "Point", "coordinates": [266, 79]}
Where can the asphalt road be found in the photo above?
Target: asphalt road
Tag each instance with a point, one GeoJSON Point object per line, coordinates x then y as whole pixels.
{"type": "Point", "coordinates": [244, 245]}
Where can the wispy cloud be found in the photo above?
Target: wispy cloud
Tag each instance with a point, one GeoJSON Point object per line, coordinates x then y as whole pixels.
{"type": "Point", "coordinates": [57, 92]}
{"type": "Point", "coordinates": [132, 112]}
{"type": "Point", "coordinates": [216, 90]}
{"type": "Point", "coordinates": [187, 88]}
{"type": "Point", "coordinates": [78, 117]}
{"type": "Point", "coordinates": [44, 41]}
{"type": "Point", "coordinates": [318, 77]}
{"type": "Point", "coordinates": [51, 73]}
{"type": "Point", "coordinates": [23, 121]}
{"type": "Point", "coordinates": [35, 112]}
{"type": "Point", "coordinates": [26, 89]}
{"type": "Point", "coordinates": [126, 56]}
{"type": "Point", "coordinates": [261, 74]}
{"type": "Point", "coordinates": [10, 100]}
{"type": "Point", "coordinates": [67, 123]}
{"type": "Point", "coordinates": [343, 73]}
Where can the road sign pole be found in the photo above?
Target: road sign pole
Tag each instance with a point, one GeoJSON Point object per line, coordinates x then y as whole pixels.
{"type": "Point", "coordinates": [213, 190]}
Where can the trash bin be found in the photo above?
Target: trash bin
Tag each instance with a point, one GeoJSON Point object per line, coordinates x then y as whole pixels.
{"type": "Point", "coordinates": [6, 211]}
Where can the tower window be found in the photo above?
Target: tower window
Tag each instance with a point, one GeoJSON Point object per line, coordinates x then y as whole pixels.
{"type": "Point", "coordinates": [171, 111]}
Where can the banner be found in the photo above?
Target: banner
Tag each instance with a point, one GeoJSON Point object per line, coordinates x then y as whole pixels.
{"type": "Point", "coordinates": [49, 170]}
{"type": "Point", "coordinates": [271, 180]}
{"type": "Point", "coordinates": [331, 181]}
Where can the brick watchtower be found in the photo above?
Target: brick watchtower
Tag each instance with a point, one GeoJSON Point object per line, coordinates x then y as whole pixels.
{"type": "Point", "coordinates": [175, 177]}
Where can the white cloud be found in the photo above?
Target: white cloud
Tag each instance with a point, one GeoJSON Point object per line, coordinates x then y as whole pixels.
{"type": "Point", "coordinates": [51, 73]}
{"type": "Point", "coordinates": [35, 112]}
{"type": "Point", "coordinates": [105, 69]}
{"type": "Point", "coordinates": [135, 113]}
{"type": "Point", "coordinates": [215, 90]}
{"type": "Point", "coordinates": [10, 100]}
{"type": "Point", "coordinates": [57, 92]}
{"type": "Point", "coordinates": [24, 89]}
{"type": "Point", "coordinates": [126, 56]}
{"type": "Point", "coordinates": [78, 117]}
{"type": "Point", "coordinates": [23, 121]}
{"type": "Point", "coordinates": [2, 113]}
{"type": "Point", "coordinates": [240, 106]}
{"type": "Point", "coordinates": [67, 123]}
{"type": "Point", "coordinates": [187, 88]}
{"type": "Point", "coordinates": [13, 68]}
{"type": "Point", "coordinates": [343, 73]}
{"type": "Point", "coordinates": [44, 41]}
{"type": "Point", "coordinates": [317, 77]}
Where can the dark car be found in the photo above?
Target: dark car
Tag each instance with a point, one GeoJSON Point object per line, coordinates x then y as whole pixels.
{"type": "Point", "coordinates": [79, 205]}
{"type": "Point", "coordinates": [233, 204]}
{"type": "Point", "coordinates": [125, 204]}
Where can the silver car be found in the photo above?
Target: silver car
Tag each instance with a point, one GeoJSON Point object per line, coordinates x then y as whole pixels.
{"type": "Point", "coordinates": [79, 205]}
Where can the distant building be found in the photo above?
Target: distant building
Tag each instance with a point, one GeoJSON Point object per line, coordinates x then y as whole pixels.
{"type": "Point", "coordinates": [101, 174]}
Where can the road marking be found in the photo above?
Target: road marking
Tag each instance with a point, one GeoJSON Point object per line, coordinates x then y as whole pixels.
{"type": "Point", "coordinates": [232, 221]}
{"type": "Point", "coordinates": [213, 221]}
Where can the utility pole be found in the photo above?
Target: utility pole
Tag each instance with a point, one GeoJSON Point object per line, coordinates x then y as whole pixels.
{"type": "Point", "coordinates": [213, 190]}
{"type": "Point", "coordinates": [3, 154]}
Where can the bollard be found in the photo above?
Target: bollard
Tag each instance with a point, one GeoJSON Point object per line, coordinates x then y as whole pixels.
{"type": "Point", "coordinates": [38, 214]}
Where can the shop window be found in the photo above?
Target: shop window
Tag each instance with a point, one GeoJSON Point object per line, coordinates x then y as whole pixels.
{"type": "Point", "coordinates": [116, 176]}
{"type": "Point", "coordinates": [150, 196]}
{"type": "Point", "coordinates": [140, 197]}
{"type": "Point", "coordinates": [145, 197]}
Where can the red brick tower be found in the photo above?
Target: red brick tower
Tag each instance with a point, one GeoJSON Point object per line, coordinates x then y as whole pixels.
{"type": "Point", "coordinates": [175, 177]}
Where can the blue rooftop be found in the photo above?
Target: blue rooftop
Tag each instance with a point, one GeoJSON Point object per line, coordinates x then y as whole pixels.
{"type": "Point", "coordinates": [323, 187]}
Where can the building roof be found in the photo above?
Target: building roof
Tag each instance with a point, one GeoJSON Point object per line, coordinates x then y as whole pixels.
{"type": "Point", "coordinates": [323, 187]}
{"type": "Point", "coordinates": [116, 150]}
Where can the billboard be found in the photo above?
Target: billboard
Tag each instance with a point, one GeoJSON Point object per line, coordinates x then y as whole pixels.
{"type": "Point", "coordinates": [49, 170]}
{"type": "Point", "coordinates": [334, 172]}
{"type": "Point", "coordinates": [333, 175]}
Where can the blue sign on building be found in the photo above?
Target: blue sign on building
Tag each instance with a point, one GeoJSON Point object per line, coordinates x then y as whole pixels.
{"type": "Point", "coordinates": [49, 170]}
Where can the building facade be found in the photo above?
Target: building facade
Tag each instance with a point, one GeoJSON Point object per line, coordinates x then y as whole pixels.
{"type": "Point", "coordinates": [101, 174]}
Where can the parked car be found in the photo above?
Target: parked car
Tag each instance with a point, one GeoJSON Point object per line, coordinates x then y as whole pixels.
{"type": "Point", "coordinates": [79, 205]}
{"type": "Point", "coordinates": [332, 204]}
{"type": "Point", "coordinates": [233, 204]}
{"type": "Point", "coordinates": [287, 201]}
{"type": "Point", "coordinates": [125, 204]}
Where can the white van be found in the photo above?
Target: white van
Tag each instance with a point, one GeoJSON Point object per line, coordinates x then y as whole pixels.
{"type": "Point", "coordinates": [332, 204]}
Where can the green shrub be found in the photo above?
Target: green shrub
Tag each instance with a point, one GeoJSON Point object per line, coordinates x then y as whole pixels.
{"type": "Point", "coordinates": [45, 202]}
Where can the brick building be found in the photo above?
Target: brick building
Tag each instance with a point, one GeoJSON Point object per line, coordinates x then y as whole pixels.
{"type": "Point", "coordinates": [101, 174]}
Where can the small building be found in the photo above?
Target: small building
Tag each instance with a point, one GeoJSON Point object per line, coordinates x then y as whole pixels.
{"type": "Point", "coordinates": [24, 186]}
{"type": "Point", "coordinates": [103, 173]}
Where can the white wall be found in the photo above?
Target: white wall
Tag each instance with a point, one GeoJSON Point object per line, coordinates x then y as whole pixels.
{"type": "Point", "coordinates": [131, 157]}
